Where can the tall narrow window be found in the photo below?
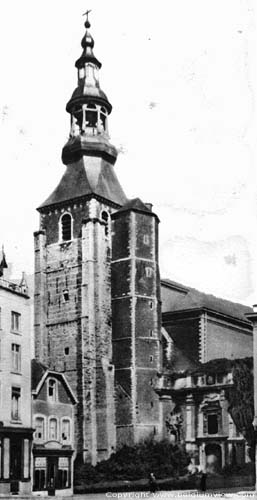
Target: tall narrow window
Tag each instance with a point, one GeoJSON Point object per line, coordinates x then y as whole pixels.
{"type": "Point", "coordinates": [212, 423]}
{"type": "Point", "coordinates": [105, 218]}
{"type": "Point", "coordinates": [16, 357]}
{"type": "Point", "coordinates": [53, 429]}
{"type": "Point", "coordinates": [16, 397]}
{"type": "Point", "coordinates": [15, 321]}
{"type": "Point", "coordinates": [52, 391]}
{"type": "Point", "coordinates": [0, 318]}
{"type": "Point", "coordinates": [66, 227]}
{"type": "Point", "coordinates": [66, 430]}
{"type": "Point", "coordinates": [39, 429]}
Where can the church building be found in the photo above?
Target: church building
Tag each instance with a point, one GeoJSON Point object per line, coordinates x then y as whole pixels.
{"type": "Point", "coordinates": [97, 305]}
{"type": "Point", "coordinates": [97, 284]}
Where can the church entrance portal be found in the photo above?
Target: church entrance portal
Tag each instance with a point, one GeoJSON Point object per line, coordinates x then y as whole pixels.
{"type": "Point", "coordinates": [213, 457]}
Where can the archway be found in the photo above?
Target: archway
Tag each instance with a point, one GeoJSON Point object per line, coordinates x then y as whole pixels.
{"type": "Point", "coordinates": [213, 458]}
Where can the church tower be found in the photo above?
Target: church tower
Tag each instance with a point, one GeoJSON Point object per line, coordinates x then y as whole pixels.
{"type": "Point", "coordinates": [73, 328]}
{"type": "Point", "coordinates": [98, 320]}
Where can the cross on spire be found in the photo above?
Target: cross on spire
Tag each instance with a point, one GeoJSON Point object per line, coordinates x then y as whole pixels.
{"type": "Point", "coordinates": [87, 23]}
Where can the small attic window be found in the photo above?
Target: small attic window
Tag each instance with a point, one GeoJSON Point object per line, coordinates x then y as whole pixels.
{"type": "Point", "coordinates": [66, 226]}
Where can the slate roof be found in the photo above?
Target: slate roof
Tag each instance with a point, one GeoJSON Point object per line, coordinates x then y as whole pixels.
{"type": "Point", "coordinates": [37, 372]}
{"type": "Point", "coordinates": [190, 298]}
{"type": "Point", "coordinates": [83, 178]}
{"type": "Point", "coordinates": [136, 205]}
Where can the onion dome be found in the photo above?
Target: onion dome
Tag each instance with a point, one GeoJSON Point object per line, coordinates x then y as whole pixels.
{"type": "Point", "coordinates": [87, 44]}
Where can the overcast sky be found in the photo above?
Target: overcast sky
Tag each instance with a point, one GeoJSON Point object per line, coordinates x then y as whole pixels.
{"type": "Point", "coordinates": [181, 77]}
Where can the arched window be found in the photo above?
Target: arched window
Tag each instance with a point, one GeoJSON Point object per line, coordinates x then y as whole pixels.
{"type": "Point", "coordinates": [66, 227]}
{"type": "Point", "coordinates": [52, 429]}
{"type": "Point", "coordinates": [39, 429]}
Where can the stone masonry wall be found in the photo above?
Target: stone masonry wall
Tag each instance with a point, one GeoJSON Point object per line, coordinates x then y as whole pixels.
{"type": "Point", "coordinates": [136, 325]}
{"type": "Point", "coordinates": [73, 318]}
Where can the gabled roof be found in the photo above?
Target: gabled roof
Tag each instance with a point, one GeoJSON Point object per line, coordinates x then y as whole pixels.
{"type": "Point", "coordinates": [39, 374]}
{"type": "Point", "coordinates": [85, 177]}
{"type": "Point", "coordinates": [190, 298]}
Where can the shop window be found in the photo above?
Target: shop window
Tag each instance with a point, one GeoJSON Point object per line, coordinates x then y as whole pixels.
{"type": "Point", "coordinates": [16, 357]}
{"type": "Point", "coordinates": [15, 321]}
{"type": "Point", "coordinates": [52, 390]}
{"type": "Point", "coordinates": [66, 430]}
{"type": "Point", "coordinates": [15, 408]}
{"type": "Point", "coordinates": [212, 423]}
{"type": "Point", "coordinates": [39, 474]}
{"type": "Point", "coordinates": [53, 429]}
{"type": "Point", "coordinates": [63, 472]}
{"type": "Point", "coordinates": [66, 227]}
{"type": "Point", "coordinates": [39, 429]}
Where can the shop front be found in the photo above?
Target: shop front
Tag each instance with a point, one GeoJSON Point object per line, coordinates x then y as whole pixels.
{"type": "Point", "coordinates": [15, 453]}
{"type": "Point", "coordinates": [52, 471]}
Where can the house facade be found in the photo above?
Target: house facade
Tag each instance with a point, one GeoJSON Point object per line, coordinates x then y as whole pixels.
{"type": "Point", "coordinates": [53, 422]}
{"type": "Point", "coordinates": [15, 388]}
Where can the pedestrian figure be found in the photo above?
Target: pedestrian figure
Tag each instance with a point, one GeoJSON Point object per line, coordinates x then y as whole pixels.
{"type": "Point", "coordinates": [203, 481]}
{"type": "Point", "coordinates": [152, 483]}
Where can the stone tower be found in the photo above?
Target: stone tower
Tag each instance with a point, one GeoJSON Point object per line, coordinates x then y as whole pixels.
{"type": "Point", "coordinates": [136, 321]}
{"type": "Point", "coordinates": [77, 249]}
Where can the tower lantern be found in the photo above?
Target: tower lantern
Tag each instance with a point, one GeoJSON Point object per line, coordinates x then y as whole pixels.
{"type": "Point", "coordinates": [89, 107]}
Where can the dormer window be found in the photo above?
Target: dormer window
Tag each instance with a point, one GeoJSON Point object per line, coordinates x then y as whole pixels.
{"type": "Point", "coordinates": [66, 227]}
{"type": "Point", "coordinates": [52, 390]}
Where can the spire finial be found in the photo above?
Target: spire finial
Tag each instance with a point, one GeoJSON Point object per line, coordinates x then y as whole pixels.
{"type": "Point", "coordinates": [87, 23]}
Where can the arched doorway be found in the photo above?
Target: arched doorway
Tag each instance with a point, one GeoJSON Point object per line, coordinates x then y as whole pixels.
{"type": "Point", "coordinates": [213, 458]}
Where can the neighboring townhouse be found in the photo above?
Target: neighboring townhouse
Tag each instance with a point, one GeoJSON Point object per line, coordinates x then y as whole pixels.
{"type": "Point", "coordinates": [15, 388]}
{"type": "Point", "coordinates": [53, 421]}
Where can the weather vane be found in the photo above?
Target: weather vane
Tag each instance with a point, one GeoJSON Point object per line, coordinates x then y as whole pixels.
{"type": "Point", "coordinates": [87, 23]}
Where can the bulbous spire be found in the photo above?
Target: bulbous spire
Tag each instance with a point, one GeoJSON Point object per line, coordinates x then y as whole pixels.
{"type": "Point", "coordinates": [89, 108]}
{"type": "Point", "coordinates": [87, 44]}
